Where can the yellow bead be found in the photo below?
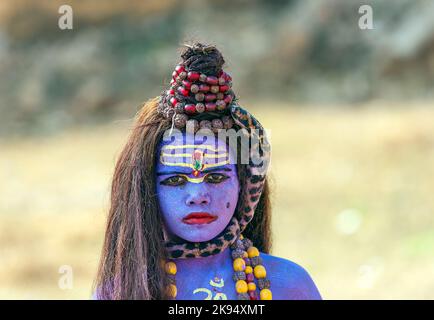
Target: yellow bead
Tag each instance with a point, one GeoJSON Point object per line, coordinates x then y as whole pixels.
{"type": "Point", "coordinates": [251, 286]}
{"type": "Point", "coordinates": [253, 252]}
{"type": "Point", "coordinates": [260, 272]}
{"type": "Point", "coordinates": [241, 237]}
{"type": "Point", "coordinates": [239, 264]}
{"type": "Point", "coordinates": [170, 267]}
{"type": "Point", "coordinates": [173, 291]}
{"type": "Point", "coordinates": [241, 286]}
{"type": "Point", "coordinates": [249, 269]}
{"type": "Point", "coordinates": [245, 255]}
{"type": "Point", "coordinates": [265, 294]}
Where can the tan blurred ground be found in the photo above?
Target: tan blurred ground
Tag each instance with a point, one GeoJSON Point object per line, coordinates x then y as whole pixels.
{"type": "Point", "coordinates": [352, 202]}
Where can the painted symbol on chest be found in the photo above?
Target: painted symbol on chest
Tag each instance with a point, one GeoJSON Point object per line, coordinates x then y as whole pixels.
{"type": "Point", "coordinates": [217, 284]}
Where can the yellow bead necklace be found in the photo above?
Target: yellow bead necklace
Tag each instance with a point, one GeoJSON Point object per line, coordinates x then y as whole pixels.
{"type": "Point", "coordinates": [247, 265]}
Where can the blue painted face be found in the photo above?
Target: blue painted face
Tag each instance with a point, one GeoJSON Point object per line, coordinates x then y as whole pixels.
{"type": "Point", "coordinates": [197, 187]}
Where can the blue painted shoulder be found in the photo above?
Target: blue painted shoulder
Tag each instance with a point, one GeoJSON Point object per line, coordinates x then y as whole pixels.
{"type": "Point", "coordinates": [293, 281]}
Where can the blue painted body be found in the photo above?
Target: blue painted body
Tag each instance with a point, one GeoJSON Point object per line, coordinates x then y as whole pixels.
{"type": "Point", "coordinates": [289, 281]}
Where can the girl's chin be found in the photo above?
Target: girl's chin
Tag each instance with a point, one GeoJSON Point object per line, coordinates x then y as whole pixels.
{"type": "Point", "coordinates": [200, 234]}
{"type": "Point", "coordinates": [200, 239]}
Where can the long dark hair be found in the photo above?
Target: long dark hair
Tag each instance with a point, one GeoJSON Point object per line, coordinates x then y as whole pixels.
{"type": "Point", "coordinates": [130, 265]}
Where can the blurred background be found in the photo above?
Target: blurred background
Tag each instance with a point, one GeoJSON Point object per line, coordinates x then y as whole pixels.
{"type": "Point", "coordinates": [350, 113]}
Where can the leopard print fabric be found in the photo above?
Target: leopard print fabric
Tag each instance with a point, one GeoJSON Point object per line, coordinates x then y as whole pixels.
{"type": "Point", "coordinates": [252, 188]}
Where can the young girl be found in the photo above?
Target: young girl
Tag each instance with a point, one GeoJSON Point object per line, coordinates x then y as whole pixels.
{"type": "Point", "coordinates": [190, 211]}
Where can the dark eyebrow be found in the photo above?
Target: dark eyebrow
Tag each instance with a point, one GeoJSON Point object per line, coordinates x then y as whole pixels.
{"type": "Point", "coordinates": [216, 169]}
{"type": "Point", "coordinates": [170, 172]}
{"type": "Point", "coordinates": [162, 173]}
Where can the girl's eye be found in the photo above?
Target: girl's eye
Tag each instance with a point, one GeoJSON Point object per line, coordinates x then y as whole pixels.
{"type": "Point", "coordinates": [174, 181]}
{"type": "Point", "coordinates": [215, 177]}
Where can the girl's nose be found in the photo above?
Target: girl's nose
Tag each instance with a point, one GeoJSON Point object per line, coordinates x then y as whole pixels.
{"type": "Point", "coordinates": [198, 198]}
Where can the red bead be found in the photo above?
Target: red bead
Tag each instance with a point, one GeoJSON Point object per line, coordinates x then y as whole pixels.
{"type": "Point", "coordinates": [224, 88]}
{"type": "Point", "coordinates": [252, 295]}
{"type": "Point", "coordinates": [186, 84]}
{"type": "Point", "coordinates": [210, 106]}
{"type": "Point", "coordinates": [228, 99]}
{"type": "Point", "coordinates": [183, 91]}
{"type": "Point", "coordinates": [179, 68]}
{"type": "Point", "coordinates": [174, 75]}
{"type": "Point", "coordinates": [210, 97]}
{"type": "Point", "coordinates": [212, 80]}
{"type": "Point", "coordinates": [193, 76]}
{"type": "Point", "coordinates": [203, 88]}
{"type": "Point", "coordinates": [250, 277]}
{"type": "Point", "coordinates": [190, 108]}
{"type": "Point", "coordinates": [171, 92]}
{"type": "Point", "coordinates": [173, 101]}
{"type": "Point", "coordinates": [227, 77]}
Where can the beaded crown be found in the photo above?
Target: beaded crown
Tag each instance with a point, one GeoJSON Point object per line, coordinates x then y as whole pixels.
{"type": "Point", "coordinates": [200, 92]}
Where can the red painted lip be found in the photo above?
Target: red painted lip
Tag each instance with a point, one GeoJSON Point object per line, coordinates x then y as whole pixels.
{"type": "Point", "coordinates": [199, 218]}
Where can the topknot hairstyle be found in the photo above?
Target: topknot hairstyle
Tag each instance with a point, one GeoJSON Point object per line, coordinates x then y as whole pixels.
{"type": "Point", "coordinates": [201, 58]}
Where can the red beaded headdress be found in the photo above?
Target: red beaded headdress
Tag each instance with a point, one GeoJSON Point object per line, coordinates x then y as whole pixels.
{"type": "Point", "coordinates": [199, 91]}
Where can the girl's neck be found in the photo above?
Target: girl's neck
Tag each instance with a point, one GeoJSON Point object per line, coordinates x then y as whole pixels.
{"type": "Point", "coordinates": [215, 261]}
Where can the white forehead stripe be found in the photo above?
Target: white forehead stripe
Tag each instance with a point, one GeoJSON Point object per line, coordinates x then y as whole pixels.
{"type": "Point", "coordinates": [183, 155]}
{"type": "Point", "coordinates": [195, 146]}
